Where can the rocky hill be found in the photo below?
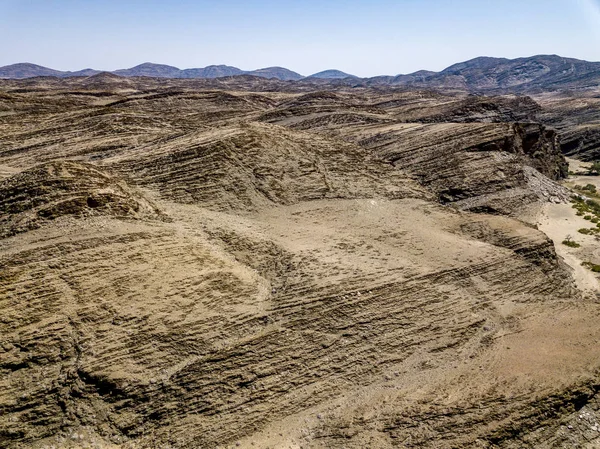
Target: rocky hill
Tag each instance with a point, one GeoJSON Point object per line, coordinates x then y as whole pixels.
{"type": "Point", "coordinates": [542, 72]}
{"type": "Point", "coordinates": [277, 72]}
{"type": "Point", "coordinates": [149, 69]}
{"type": "Point", "coordinates": [247, 262]}
{"type": "Point", "coordinates": [331, 74]}
{"type": "Point", "coordinates": [212, 71]}
{"type": "Point", "coordinates": [27, 70]}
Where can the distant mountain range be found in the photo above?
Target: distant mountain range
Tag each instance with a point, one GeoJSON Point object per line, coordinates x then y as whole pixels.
{"type": "Point", "coordinates": [541, 72]}
{"type": "Point", "coordinates": [27, 70]}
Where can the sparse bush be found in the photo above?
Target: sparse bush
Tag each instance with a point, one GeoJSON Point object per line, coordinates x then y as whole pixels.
{"type": "Point", "coordinates": [592, 266]}
{"type": "Point", "coordinates": [595, 168]}
{"type": "Point", "coordinates": [584, 231]}
{"type": "Point", "coordinates": [595, 220]}
{"type": "Point", "coordinates": [591, 188]}
{"type": "Point", "coordinates": [570, 242]}
{"type": "Point", "coordinates": [593, 205]}
{"type": "Point", "coordinates": [589, 209]}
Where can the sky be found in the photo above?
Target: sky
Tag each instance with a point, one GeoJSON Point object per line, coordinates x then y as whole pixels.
{"type": "Point", "coordinates": [364, 38]}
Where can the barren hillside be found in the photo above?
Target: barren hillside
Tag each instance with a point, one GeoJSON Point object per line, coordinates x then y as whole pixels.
{"type": "Point", "coordinates": [234, 263]}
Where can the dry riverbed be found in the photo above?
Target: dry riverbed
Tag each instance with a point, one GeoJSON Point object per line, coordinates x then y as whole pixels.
{"type": "Point", "coordinates": [560, 221]}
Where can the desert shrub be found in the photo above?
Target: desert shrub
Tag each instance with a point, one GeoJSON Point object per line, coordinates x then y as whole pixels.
{"type": "Point", "coordinates": [584, 231]}
{"type": "Point", "coordinates": [587, 208]}
{"type": "Point", "coordinates": [592, 266]}
{"type": "Point", "coordinates": [591, 188]}
{"type": "Point", "coordinates": [571, 243]}
{"type": "Point", "coordinates": [595, 168]}
{"type": "Point", "coordinates": [595, 220]}
{"type": "Point", "coordinates": [593, 205]}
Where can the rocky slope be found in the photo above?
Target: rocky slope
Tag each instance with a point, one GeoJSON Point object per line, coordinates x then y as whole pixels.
{"type": "Point", "coordinates": [184, 266]}
{"type": "Point", "coordinates": [483, 166]}
{"type": "Point", "coordinates": [49, 191]}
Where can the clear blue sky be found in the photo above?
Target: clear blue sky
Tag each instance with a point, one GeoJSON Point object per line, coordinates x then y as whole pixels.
{"type": "Point", "coordinates": [364, 38]}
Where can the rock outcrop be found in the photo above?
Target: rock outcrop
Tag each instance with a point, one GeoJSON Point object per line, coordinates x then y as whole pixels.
{"type": "Point", "coordinates": [56, 189]}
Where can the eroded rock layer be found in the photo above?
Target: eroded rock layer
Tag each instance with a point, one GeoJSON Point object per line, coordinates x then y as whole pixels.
{"type": "Point", "coordinates": [52, 190]}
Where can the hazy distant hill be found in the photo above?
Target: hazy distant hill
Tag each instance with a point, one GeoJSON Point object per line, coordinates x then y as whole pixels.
{"type": "Point", "coordinates": [26, 70]}
{"type": "Point", "coordinates": [149, 69]}
{"type": "Point", "coordinates": [542, 72]}
{"type": "Point", "coordinates": [277, 72]}
{"type": "Point", "coordinates": [212, 71]}
{"type": "Point", "coordinates": [421, 75]}
{"type": "Point", "coordinates": [331, 74]}
{"type": "Point", "coordinates": [84, 72]}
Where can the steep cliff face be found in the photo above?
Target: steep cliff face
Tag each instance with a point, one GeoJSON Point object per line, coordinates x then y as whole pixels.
{"type": "Point", "coordinates": [490, 162]}
{"type": "Point", "coordinates": [576, 116]}
{"type": "Point", "coordinates": [458, 162]}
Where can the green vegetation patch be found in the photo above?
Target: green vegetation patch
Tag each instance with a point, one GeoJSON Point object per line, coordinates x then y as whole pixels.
{"type": "Point", "coordinates": [571, 243]}
{"type": "Point", "coordinates": [588, 208]}
{"type": "Point", "coordinates": [592, 266]}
